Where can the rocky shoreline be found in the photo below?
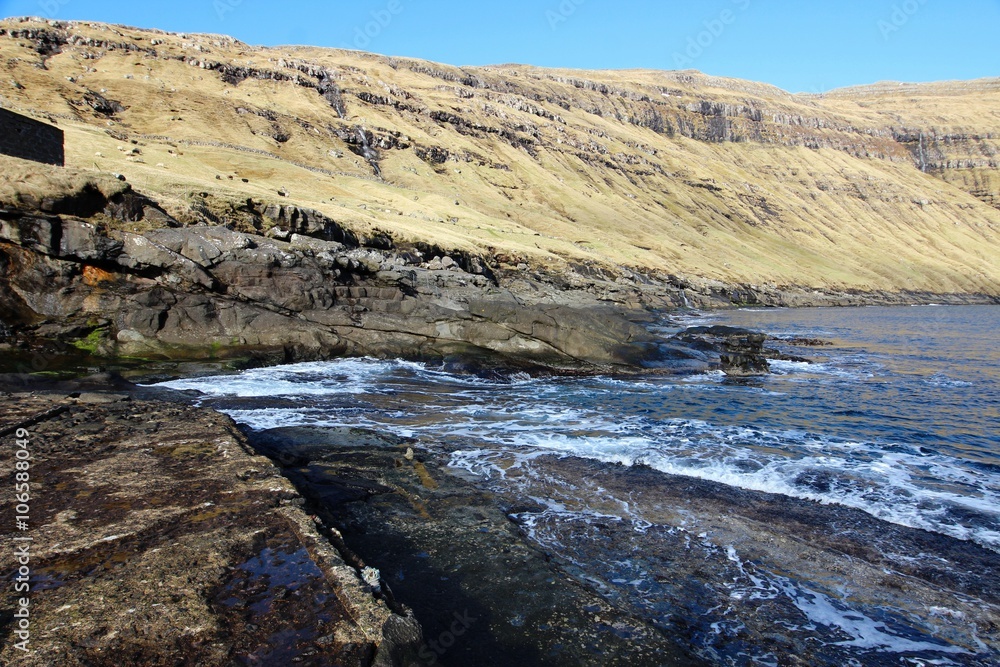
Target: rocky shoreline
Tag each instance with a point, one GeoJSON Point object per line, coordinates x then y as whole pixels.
{"type": "Point", "coordinates": [163, 536]}
{"type": "Point", "coordinates": [89, 262]}
{"type": "Point", "coordinates": [524, 209]}
{"type": "Point", "coordinates": [159, 537]}
{"type": "Point", "coordinates": [450, 550]}
{"type": "Point", "coordinates": [301, 287]}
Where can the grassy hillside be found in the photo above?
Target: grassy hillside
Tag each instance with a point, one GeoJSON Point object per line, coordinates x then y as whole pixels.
{"type": "Point", "coordinates": [888, 187]}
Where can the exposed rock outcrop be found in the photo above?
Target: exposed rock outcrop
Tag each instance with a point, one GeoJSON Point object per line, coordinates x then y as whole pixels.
{"type": "Point", "coordinates": [741, 352]}
{"type": "Point", "coordinates": [483, 593]}
{"type": "Point", "coordinates": [159, 538]}
{"type": "Point", "coordinates": [210, 291]}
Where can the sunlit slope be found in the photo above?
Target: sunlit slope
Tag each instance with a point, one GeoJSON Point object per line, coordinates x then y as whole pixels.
{"type": "Point", "coordinates": [881, 188]}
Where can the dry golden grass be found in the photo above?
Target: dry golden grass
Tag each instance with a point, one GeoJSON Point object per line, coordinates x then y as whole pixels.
{"type": "Point", "coordinates": [854, 211]}
{"type": "Point", "coordinates": [25, 183]}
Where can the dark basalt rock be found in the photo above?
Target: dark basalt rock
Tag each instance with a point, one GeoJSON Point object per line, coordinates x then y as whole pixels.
{"type": "Point", "coordinates": [807, 342]}
{"type": "Point", "coordinates": [316, 290]}
{"type": "Point", "coordinates": [210, 292]}
{"type": "Point", "coordinates": [741, 351]}
{"type": "Point", "coordinates": [102, 105]}
{"type": "Point", "coordinates": [482, 594]}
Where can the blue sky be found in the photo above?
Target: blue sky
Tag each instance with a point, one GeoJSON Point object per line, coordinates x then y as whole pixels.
{"type": "Point", "coordinates": [797, 45]}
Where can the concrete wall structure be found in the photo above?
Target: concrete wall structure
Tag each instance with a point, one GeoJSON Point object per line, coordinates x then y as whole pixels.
{"type": "Point", "coordinates": [30, 139]}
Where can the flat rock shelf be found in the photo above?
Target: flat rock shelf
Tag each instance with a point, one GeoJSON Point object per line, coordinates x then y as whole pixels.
{"type": "Point", "coordinates": [158, 538]}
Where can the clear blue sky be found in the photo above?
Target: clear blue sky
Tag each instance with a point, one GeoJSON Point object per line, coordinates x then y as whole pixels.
{"type": "Point", "coordinates": [797, 45]}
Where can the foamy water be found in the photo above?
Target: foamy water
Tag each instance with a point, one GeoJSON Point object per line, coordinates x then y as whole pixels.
{"type": "Point", "coordinates": [897, 419]}
{"type": "Point", "coordinates": [768, 435]}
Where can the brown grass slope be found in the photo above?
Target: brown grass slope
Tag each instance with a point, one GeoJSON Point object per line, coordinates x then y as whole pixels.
{"type": "Point", "coordinates": [888, 187]}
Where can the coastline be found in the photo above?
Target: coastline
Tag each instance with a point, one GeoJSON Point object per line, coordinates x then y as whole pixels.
{"type": "Point", "coordinates": [164, 533]}
{"type": "Point", "coordinates": [157, 535]}
{"type": "Point", "coordinates": [460, 556]}
{"type": "Point", "coordinates": [82, 295]}
{"type": "Point", "coordinates": [534, 451]}
{"type": "Point", "coordinates": [211, 294]}
{"type": "Point", "coordinates": [161, 533]}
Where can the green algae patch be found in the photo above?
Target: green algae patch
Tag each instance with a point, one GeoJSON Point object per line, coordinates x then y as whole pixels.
{"type": "Point", "coordinates": [92, 342]}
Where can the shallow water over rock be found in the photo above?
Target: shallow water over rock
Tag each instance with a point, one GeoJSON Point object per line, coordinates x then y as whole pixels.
{"type": "Point", "coordinates": [841, 511]}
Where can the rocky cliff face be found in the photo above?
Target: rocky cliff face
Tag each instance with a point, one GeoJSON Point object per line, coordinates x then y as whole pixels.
{"type": "Point", "coordinates": [201, 291]}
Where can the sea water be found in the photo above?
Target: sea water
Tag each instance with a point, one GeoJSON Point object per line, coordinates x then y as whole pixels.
{"type": "Point", "coordinates": [896, 418]}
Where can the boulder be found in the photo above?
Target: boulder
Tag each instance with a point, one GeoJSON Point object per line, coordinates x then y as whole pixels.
{"type": "Point", "coordinates": [83, 241]}
{"type": "Point", "coordinates": [307, 222]}
{"type": "Point", "coordinates": [36, 232]}
{"type": "Point", "coordinates": [741, 351]}
{"type": "Point", "coordinates": [57, 237]}
{"type": "Point", "coordinates": [206, 246]}
{"type": "Point", "coordinates": [553, 333]}
{"type": "Point", "coordinates": [143, 254]}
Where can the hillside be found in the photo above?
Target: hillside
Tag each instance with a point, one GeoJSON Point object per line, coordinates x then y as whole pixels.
{"type": "Point", "coordinates": [889, 187]}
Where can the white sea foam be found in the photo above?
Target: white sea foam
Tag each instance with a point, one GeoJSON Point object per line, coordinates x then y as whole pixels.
{"type": "Point", "coordinates": [857, 628]}
{"type": "Point", "coordinates": [782, 367]}
{"type": "Point", "coordinates": [707, 376]}
{"type": "Point", "coordinates": [790, 463]}
{"type": "Point", "coordinates": [307, 379]}
{"type": "Point", "coordinates": [894, 482]}
{"type": "Point", "coordinates": [838, 369]}
{"type": "Point", "coordinates": [863, 631]}
{"type": "Point", "coordinates": [322, 378]}
{"type": "Point", "coordinates": [942, 380]}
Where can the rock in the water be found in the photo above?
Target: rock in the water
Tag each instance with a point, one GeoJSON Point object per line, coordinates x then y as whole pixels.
{"type": "Point", "coordinates": [741, 352]}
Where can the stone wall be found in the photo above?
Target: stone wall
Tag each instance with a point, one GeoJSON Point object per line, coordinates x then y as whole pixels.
{"type": "Point", "coordinates": [29, 139]}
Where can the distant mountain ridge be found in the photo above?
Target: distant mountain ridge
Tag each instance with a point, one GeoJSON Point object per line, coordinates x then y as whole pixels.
{"type": "Point", "coordinates": [889, 187]}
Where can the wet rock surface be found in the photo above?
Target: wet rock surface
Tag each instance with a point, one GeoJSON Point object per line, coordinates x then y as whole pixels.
{"type": "Point", "coordinates": [447, 548]}
{"type": "Point", "coordinates": [720, 567]}
{"type": "Point", "coordinates": [158, 538]}
{"type": "Point", "coordinates": [741, 352]}
{"type": "Point", "coordinates": [558, 560]}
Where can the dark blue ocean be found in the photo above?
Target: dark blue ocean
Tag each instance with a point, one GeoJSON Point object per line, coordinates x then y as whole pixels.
{"type": "Point", "coordinates": [898, 419]}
